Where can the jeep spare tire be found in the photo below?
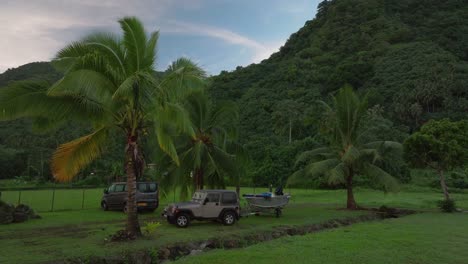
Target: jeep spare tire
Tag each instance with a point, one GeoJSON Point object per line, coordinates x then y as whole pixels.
{"type": "Point", "coordinates": [182, 220]}
{"type": "Point", "coordinates": [229, 218]}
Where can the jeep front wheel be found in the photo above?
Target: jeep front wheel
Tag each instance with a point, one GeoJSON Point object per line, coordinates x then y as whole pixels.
{"type": "Point", "coordinates": [229, 218]}
{"type": "Point", "coordinates": [182, 220]}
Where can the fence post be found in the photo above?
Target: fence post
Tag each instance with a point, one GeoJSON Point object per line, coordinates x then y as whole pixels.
{"type": "Point", "coordinates": [19, 197]}
{"type": "Point", "coordinates": [82, 200]}
{"type": "Point", "coordinates": [53, 199]}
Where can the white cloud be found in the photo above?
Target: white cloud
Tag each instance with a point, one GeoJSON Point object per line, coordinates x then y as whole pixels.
{"type": "Point", "coordinates": [260, 51]}
{"type": "Point", "coordinates": [36, 30]}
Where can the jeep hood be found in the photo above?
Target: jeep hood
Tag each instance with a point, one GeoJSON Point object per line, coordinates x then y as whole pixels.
{"type": "Point", "coordinates": [184, 205]}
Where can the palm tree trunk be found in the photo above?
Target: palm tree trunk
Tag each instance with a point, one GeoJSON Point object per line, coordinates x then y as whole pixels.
{"type": "Point", "coordinates": [443, 184]}
{"type": "Point", "coordinates": [351, 203]}
{"type": "Point", "coordinates": [290, 131]}
{"type": "Point", "coordinates": [199, 179]}
{"type": "Point", "coordinates": [133, 226]}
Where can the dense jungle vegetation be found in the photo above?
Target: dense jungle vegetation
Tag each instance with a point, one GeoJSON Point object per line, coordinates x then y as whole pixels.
{"type": "Point", "coordinates": [410, 57]}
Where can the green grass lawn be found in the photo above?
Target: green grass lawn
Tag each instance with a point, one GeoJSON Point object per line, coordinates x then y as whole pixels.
{"type": "Point", "coordinates": [421, 238]}
{"type": "Point", "coordinates": [81, 233]}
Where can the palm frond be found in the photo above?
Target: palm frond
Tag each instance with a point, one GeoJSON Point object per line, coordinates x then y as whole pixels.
{"type": "Point", "coordinates": [312, 155]}
{"type": "Point", "coordinates": [351, 154]}
{"type": "Point", "coordinates": [150, 51]}
{"type": "Point", "coordinates": [71, 157]}
{"type": "Point", "coordinates": [321, 167]}
{"type": "Point", "coordinates": [176, 116]}
{"type": "Point", "coordinates": [182, 78]}
{"type": "Point", "coordinates": [30, 99]}
{"type": "Point", "coordinates": [166, 143]}
{"type": "Point", "coordinates": [223, 161]}
{"type": "Point", "coordinates": [224, 115]}
{"type": "Point", "coordinates": [109, 46]}
{"type": "Point", "coordinates": [337, 174]}
{"type": "Point", "coordinates": [134, 39]}
{"type": "Point", "coordinates": [84, 83]}
{"type": "Point", "coordinates": [387, 181]}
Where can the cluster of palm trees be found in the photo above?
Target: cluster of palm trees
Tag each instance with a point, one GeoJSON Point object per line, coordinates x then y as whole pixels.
{"type": "Point", "coordinates": [109, 81]}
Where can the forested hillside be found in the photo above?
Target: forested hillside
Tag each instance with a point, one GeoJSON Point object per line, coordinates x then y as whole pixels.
{"type": "Point", "coordinates": [25, 148]}
{"type": "Point", "coordinates": [409, 56]}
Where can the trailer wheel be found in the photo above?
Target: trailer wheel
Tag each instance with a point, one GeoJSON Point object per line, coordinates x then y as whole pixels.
{"type": "Point", "coordinates": [278, 212]}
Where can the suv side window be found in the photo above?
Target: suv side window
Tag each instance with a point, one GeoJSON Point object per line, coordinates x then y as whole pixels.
{"type": "Point", "coordinates": [119, 187]}
{"type": "Point", "coordinates": [147, 187]}
{"type": "Point", "coordinates": [213, 197]}
{"type": "Point", "coordinates": [111, 188]}
{"type": "Point", "coordinates": [229, 198]}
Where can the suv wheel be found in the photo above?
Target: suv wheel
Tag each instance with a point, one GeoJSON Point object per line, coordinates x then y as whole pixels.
{"type": "Point", "coordinates": [229, 218]}
{"type": "Point", "coordinates": [104, 206]}
{"type": "Point", "coordinates": [182, 220]}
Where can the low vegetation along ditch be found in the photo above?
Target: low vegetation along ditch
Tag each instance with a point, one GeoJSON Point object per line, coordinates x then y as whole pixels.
{"type": "Point", "coordinates": [177, 250]}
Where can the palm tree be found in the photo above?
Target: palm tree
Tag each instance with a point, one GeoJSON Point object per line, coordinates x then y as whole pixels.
{"type": "Point", "coordinates": [109, 82]}
{"type": "Point", "coordinates": [346, 156]}
{"type": "Point", "coordinates": [204, 156]}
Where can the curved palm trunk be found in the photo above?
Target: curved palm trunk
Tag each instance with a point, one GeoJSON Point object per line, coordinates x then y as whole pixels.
{"type": "Point", "coordinates": [350, 203]}
{"type": "Point", "coordinates": [443, 184]}
{"type": "Point", "coordinates": [131, 167]}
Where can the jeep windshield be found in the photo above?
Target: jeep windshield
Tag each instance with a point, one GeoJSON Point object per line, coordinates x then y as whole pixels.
{"type": "Point", "coordinates": [198, 197]}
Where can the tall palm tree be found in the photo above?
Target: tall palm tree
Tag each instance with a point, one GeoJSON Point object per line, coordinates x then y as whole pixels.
{"type": "Point", "coordinates": [204, 156]}
{"type": "Point", "coordinates": [346, 155]}
{"type": "Point", "coordinates": [109, 81]}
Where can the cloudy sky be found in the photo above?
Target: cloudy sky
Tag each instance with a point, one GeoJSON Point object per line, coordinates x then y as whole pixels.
{"type": "Point", "coordinates": [218, 34]}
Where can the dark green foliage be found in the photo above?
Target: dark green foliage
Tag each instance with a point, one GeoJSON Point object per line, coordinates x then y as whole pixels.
{"type": "Point", "coordinates": [441, 145]}
{"type": "Point", "coordinates": [410, 55]}
{"type": "Point", "coordinates": [447, 206]}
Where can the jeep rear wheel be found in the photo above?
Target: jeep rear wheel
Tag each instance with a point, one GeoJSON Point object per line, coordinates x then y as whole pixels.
{"type": "Point", "coordinates": [182, 220]}
{"type": "Point", "coordinates": [229, 218]}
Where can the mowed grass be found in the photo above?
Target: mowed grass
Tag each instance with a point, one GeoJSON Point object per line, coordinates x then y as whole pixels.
{"type": "Point", "coordinates": [421, 238]}
{"type": "Point", "coordinates": [81, 233]}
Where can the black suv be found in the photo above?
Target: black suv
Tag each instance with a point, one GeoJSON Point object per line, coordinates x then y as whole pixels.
{"type": "Point", "coordinates": [115, 197]}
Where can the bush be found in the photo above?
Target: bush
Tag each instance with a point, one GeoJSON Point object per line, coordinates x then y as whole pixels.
{"type": "Point", "coordinates": [447, 206]}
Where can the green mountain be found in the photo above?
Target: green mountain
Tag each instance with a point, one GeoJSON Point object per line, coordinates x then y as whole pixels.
{"type": "Point", "coordinates": [409, 56]}
{"type": "Point", "coordinates": [35, 70]}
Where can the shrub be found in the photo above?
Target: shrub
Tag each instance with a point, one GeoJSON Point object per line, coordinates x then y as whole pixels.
{"type": "Point", "coordinates": [150, 227]}
{"type": "Point", "coordinates": [447, 206]}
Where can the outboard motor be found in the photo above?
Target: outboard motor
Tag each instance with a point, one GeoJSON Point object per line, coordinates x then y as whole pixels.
{"type": "Point", "coordinates": [279, 190]}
